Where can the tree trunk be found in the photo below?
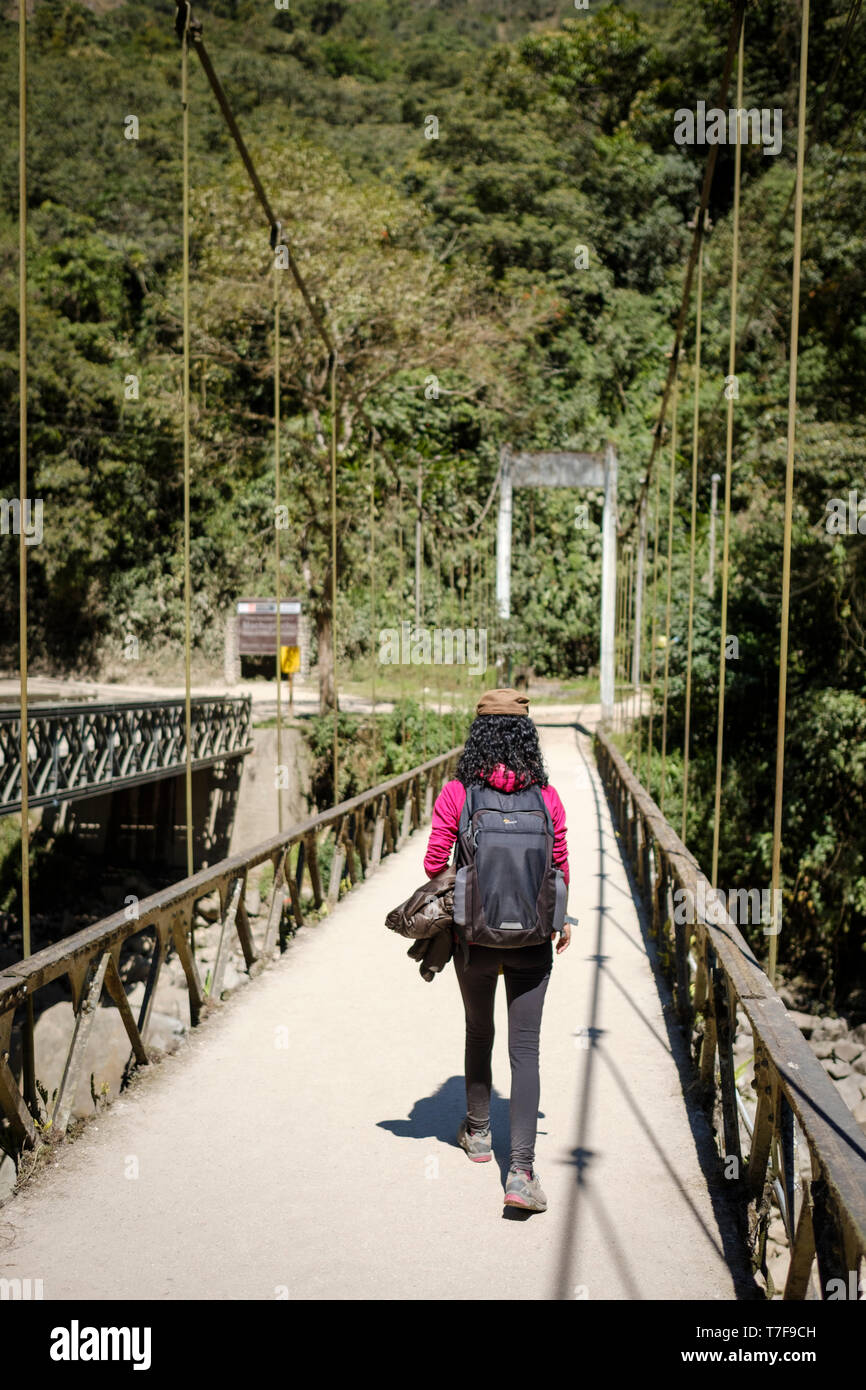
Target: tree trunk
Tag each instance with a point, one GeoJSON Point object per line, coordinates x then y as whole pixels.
{"type": "Point", "coordinates": [326, 662]}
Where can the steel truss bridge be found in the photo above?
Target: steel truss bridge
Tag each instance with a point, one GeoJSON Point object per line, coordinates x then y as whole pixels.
{"type": "Point", "coordinates": [76, 751]}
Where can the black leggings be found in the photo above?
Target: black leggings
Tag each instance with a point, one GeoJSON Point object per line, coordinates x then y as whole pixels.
{"type": "Point", "coordinates": [527, 971]}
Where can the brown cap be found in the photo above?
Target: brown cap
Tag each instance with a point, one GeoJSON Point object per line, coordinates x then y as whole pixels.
{"type": "Point", "coordinates": [503, 702]}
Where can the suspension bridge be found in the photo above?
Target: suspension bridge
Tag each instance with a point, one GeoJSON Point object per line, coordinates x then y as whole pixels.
{"type": "Point", "coordinates": [336, 1079]}
{"type": "Point", "coordinates": [334, 1076]}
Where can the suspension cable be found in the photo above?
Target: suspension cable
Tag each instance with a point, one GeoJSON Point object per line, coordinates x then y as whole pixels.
{"type": "Point", "coordinates": [671, 497]}
{"type": "Point", "coordinates": [373, 596]}
{"type": "Point", "coordinates": [641, 630]}
{"type": "Point", "coordinates": [729, 446]}
{"type": "Point", "coordinates": [656, 510]}
{"type": "Point", "coordinates": [278, 577]}
{"type": "Point", "coordinates": [186, 25]}
{"type": "Point", "coordinates": [187, 623]}
{"type": "Point", "coordinates": [400, 601]}
{"type": "Point", "coordinates": [626, 651]}
{"type": "Point", "coordinates": [789, 495]}
{"type": "Point", "coordinates": [28, 1046]}
{"type": "Point", "coordinates": [334, 571]}
{"type": "Point", "coordinates": [770, 258]}
{"type": "Point", "coordinates": [189, 30]}
{"type": "Point", "coordinates": [709, 171]}
{"type": "Point", "coordinates": [692, 536]}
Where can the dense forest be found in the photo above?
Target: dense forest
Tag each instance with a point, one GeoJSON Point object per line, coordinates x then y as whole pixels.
{"type": "Point", "coordinates": [436, 168]}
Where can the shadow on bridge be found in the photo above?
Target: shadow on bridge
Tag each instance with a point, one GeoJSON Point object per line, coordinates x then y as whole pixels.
{"type": "Point", "coordinates": [727, 1238]}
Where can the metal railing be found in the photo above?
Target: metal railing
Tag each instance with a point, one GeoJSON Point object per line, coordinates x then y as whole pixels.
{"type": "Point", "coordinates": [80, 750]}
{"type": "Point", "coordinates": [361, 831]}
{"type": "Point", "coordinates": [713, 972]}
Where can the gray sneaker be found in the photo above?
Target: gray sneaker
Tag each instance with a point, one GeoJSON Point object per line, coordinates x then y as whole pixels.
{"type": "Point", "coordinates": [478, 1146]}
{"type": "Point", "coordinates": [523, 1191]}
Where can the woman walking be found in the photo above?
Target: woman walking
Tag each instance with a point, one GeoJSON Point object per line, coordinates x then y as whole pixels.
{"type": "Point", "coordinates": [512, 860]}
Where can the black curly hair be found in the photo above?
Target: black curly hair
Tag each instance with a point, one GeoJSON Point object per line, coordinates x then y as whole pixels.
{"type": "Point", "coordinates": [511, 739]}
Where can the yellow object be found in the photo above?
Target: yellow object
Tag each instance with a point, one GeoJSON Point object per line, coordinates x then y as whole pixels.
{"type": "Point", "coordinates": [290, 660]}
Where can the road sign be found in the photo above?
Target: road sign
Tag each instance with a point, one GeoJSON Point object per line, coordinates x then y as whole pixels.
{"type": "Point", "coordinates": [257, 625]}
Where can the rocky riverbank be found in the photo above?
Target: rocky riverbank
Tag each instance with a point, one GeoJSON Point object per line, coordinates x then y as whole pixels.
{"type": "Point", "coordinates": [841, 1049]}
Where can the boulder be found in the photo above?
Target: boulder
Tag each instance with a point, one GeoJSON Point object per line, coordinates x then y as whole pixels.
{"type": "Point", "coordinates": [164, 1032]}
{"type": "Point", "coordinates": [232, 978]}
{"type": "Point", "coordinates": [824, 1047]}
{"type": "Point", "coordinates": [847, 1050]}
{"type": "Point", "coordinates": [108, 1049]}
{"type": "Point", "coordinates": [831, 1028]}
{"type": "Point", "coordinates": [837, 1070]}
{"type": "Point", "coordinates": [805, 1022]}
{"type": "Point", "coordinates": [851, 1089]}
{"type": "Point", "coordinates": [858, 1034]}
{"type": "Point", "coordinates": [172, 1000]}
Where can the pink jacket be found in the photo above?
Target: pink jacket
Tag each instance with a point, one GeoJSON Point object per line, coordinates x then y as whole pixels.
{"type": "Point", "coordinates": [446, 817]}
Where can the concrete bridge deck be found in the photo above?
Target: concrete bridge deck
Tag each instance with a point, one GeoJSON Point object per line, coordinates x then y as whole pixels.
{"type": "Point", "coordinates": [243, 1169]}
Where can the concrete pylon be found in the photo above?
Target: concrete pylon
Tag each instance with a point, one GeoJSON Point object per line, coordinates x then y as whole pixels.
{"type": "Point", "coordinates": [563, 468]}
{"type": "Point", "coordinates": [503, 537]}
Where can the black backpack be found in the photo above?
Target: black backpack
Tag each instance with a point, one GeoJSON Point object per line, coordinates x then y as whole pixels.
{"type": "Point", "coordinates": [507, 892]}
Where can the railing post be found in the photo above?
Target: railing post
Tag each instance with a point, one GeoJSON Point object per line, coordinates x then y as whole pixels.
{"type": "Point", "coordinates": [230, 902]}
{"type": "Point", "coordinates": [829, 1237]}
{"type": "Point", "coordinates": [630, 830]}
{"type": "Point", "coordinates": [84, 1020]}
{"type": "Point", "coordinates": [294, 881]}
{"type": "Point", "coordinates": [722, 1001]}
{"type": "Point", "coordinates": [337, 863]}
{"type": "Point", "coordinates": [22, 1130]}
{"type": "Point", "coordinates": [682, 936]}
{"type": "Point", "coordinates": [767, 1093]}
{"type": "Point", "coordinates": [646, 861]}
{"type": "Point", "coordinates": [408, 807]}
{"type": "Point", "coordinates": [275, 906]}
{"type": "Point", "coordinates": [349, 849]}
{"type": "Point", "coordinates": [313, 868]}
{"type": "Point", "coordinates": [394, 836]}
{"type": "Point", "coordinates": [180, 930]}
{"type": "Point", "coordinates": [708, 1042]}
{"type": "Point", "coordinates": [360, 837]}
{"type": "Point", "coordinates": [378, 833]}
{"type": "Point", "coordinates": [802, 1252]}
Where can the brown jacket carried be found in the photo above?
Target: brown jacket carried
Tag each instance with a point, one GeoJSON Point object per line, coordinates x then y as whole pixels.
{"type": "Point", "coordinates": [427, 918]}
{"type": "Point", "coordinates": [429, 910]}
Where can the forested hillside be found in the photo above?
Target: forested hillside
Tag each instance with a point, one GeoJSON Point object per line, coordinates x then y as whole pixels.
{"type": "Point", "coordinates": [452, 259]}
